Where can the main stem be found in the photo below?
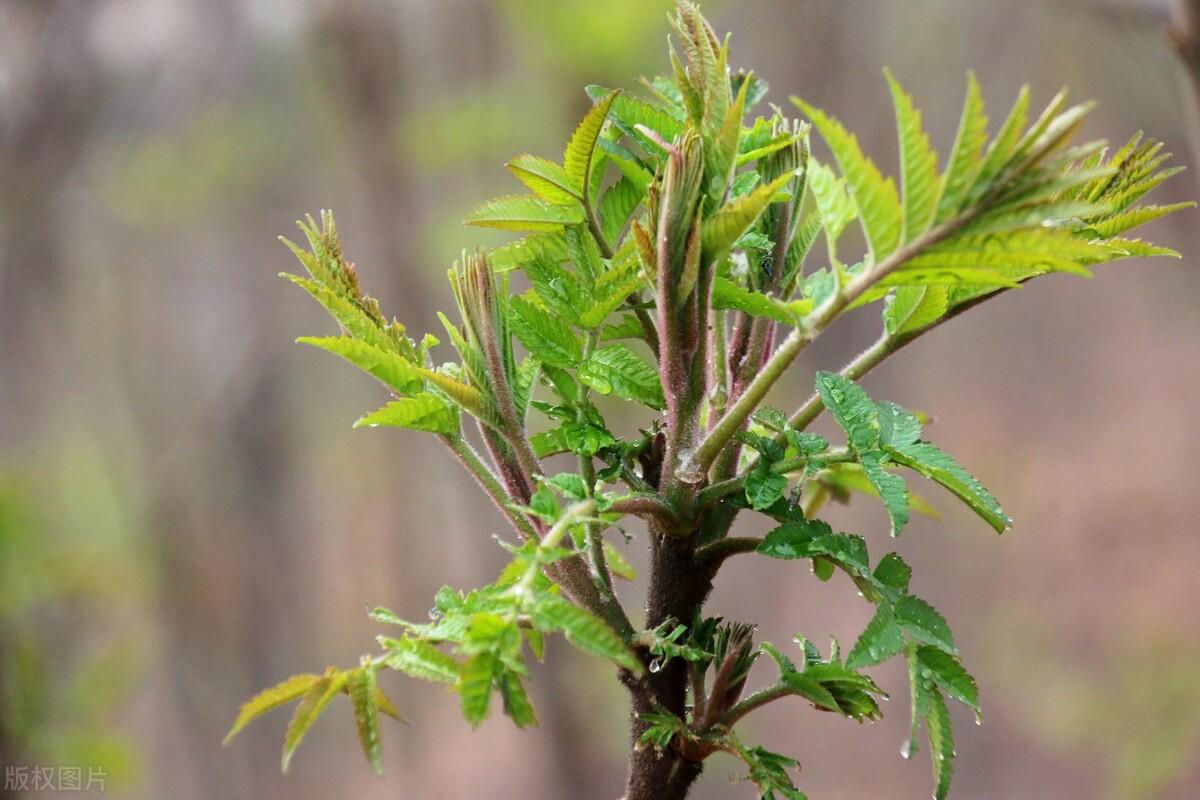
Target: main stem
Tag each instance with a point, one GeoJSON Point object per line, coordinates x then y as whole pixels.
{"type": "Point", "coordinates": [679, 585]}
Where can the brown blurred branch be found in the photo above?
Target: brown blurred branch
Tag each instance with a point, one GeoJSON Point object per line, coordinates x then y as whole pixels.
{"type": "Point", "coordinates": [1184, 33]}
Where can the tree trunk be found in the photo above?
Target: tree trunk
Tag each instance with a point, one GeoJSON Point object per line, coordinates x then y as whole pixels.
{"type": "Point", "coordinates": [678, 589]}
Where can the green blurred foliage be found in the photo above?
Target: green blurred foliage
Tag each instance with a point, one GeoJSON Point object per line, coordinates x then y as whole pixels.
{"type": "Point", "coordinates": [70, 584]}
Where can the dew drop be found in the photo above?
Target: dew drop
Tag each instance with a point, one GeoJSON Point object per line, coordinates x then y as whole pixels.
{"type": "Point", "coordinates": [906, 750]}
{"type": "Point", "coordinates": [656, 665]}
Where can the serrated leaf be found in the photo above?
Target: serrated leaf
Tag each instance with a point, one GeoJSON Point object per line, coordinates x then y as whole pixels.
{"type": "Point", "coordinates": [880, 640]}
{"type": "Point", "coordinates": [363, 697]}
{"type": "Point", "coordinates": [948, 673]}
{"type": "Point", "coordinates": [918, 164]}
{"type": "Point", "coordinates": [390, 368]}
{"type": "Point", "coordinates": [835, 208]}
{"type": "Point", "coordinates": [1131, 218]}
{"type": "Point", "coordinates": [516, 700]}
{"type": "Point", "coordinates": [792, 539]}
{"type": "Point", "coordinates": [475, 686]}
{"type": "Point", "coordinates": [549, 247]}
{"type": "Point", "coordinates": [278, 695]}
{"type": "Point", "coordinates": [314, 702]}
{"type": "Point", "coordinates": [422, 412]}
{"type": "Point", "coordinates": [911, 308]}
{"type": "Point", "coordinates": [719, 232]}
{"type": "Point", "coordinates": [728, 295]}
{"type": "Point", "coordinates": [544, 178]}
{"type": "Point", "coordinates": [763, 486]}
{"type": "Point", "coordinates": [941, 743]}
{"type": "Point", "coordinates": [893, 572]}
{"type": "Point", "coordinates": [615, 369]}
{"type": "Point", "coordinates": [875, 197]}
{"type": "Point", "coordinates": [937, 465]}
{"type": "Point", "coordinates": [354, 319]}
{"type": "Point", "coordinates": [852, 409]}
{"type": "Point", "coordinates": [967, 154]}
{"type": "Point", "coordinates": [524, 213]}
{"type": "Point", "coordinates": [924, 623]}
{"type": "Point", "coordinates": [891, 490]}
{"type": "Point", "coordinates": [898, 426]}
{"type": "Point", "coordinates": [577, 159]}
{"type": "Point", "coordinates": [584, 630]}
{"type": "Point", "coordinates": [420, 659]}
{"type": "Point", "coordinates": [547, 337]}
{"type": "Point", "coordinates": [618, 564]}
{"type": "Point", "coordinates": [617, 206]}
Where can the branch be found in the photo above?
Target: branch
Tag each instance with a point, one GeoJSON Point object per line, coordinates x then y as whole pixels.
{"type": "Point", "coordinates": [754, 701]}
{"type": "Point", "coordinates": [711, 556]}
{"type": "Point", "coordinates": [799, 338]}
{"type": "Point", "coordinates": [713, 493]}
{"type": "Point", "coordinates": [487, 481]}
{"type": "Point", "coordinates": [650, 506]}
{"type": "Point", "coordinates": [1184, 34]}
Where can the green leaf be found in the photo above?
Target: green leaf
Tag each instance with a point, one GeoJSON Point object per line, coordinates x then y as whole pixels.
{"type": "Point", "coordinates": [1016, 255]}
{"type": "Point", "coordinates": [1119, 223]}
{"type": "Point", "coordinates": [893, 572]}
{"type": "Point", "coordinates": [630, 112]}
{"type": "Point", "coordinates": [475, 686]}
{"type": "Point", "coordinates": [278, 695]}
{"type": "Point", "coordinates": [719, 232]}
{"type": "Point", "coordinates": [852, 409]}
{"type": "Point", "coordinates": [584, 630]}
{"type": "Point", "coordinates": [577, 159]}
{"type": "Point", "coordinates": [548, 338]}
{"type": "Point", "coordinates": [516, 700]}
{"type": "Point", "coordinates": [891, 489]}
{"type": "Point", "coordinates": [314, 702]}
{"type": "Point", "coordinates": [967, 153]}
{"type": "Point", "coordinates": [549, 247]}
{"type": "Point", "coordinates": [728, 295]}
{"type": "Point", "coordinates": [544, 178]}
{"type": "Point", "coordinates": [811, 689]}
{"type": "Point", "coordinates": [363, 696]}
{"type": "Point", "coordinates": [617, 206]}
{"type": "Point", "coordinates": [941, 743]}
{"type": "Point", "coordinates": [898, 426]}
{"type": "Point", "coordinates": [420, 659]}
{"type": "Point", "coordinates": [918, 164]}
{"type": "Point", "coordinates": [350, 314]}
{"type": "Point", "coordinates": [618, 564]}
{"type": "Point", "coordinates": [880, 640]}
{"type": "Point", "coordinates": [876, 197]}
{"type": "Point", "coordinates": [911, 308]}
{"type": "Point", "coordinates": [524, 213]}
{"type": "Point", "coordinates": [423, 412]}
{"type": "Point", "coordinates": [615, 369]}
{"type": "Point", "coordinates": [835, 207]}
{"type": "Point", "coordinates": [792, 539]}
{"type": "Point", "coordinates": [764, 486]}
{"type": "Point", "coordinates": [390, 368]}
{"type": "Point", "coordinates": [924, 623]}
{"type": "Point", "coordinates": [939, 466]}
{"type": "Point", "coordinates": [947, 672]}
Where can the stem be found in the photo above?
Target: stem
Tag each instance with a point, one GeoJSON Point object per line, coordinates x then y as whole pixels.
{"type": "Point", "coordinates": [713, 493]}
{"type": "Point", "coordinates": [713, 555]}
{"type": "Point", "coordinates": [1184, 34]}
{"type": "Point", "coordinates": [820, 319]}
{"type": "Point", "coordinates": [863, 363]}
{"type": "Point", "coordinates": [754, 701]}
{"type": "Point", "coordinates": [490, 484]}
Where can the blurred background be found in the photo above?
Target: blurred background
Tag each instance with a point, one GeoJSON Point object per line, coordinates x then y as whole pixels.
{"type": "Point", "coordinates": [187, 517]}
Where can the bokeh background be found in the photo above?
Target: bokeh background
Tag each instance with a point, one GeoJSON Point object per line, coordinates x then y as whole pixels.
{"type": "Point", "coordinates": [186, 516]}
